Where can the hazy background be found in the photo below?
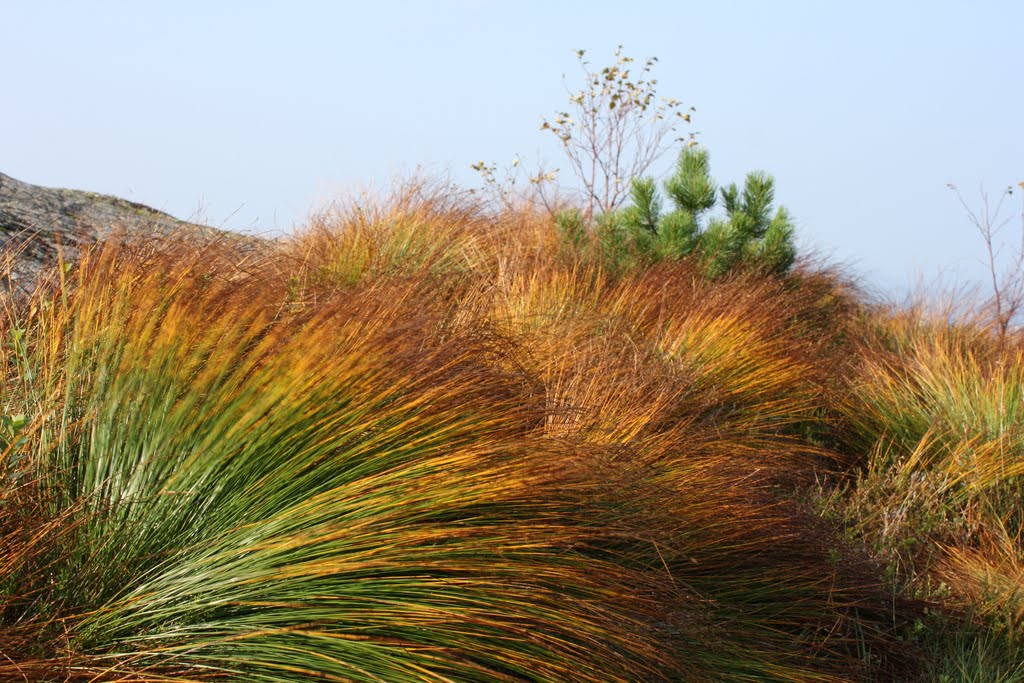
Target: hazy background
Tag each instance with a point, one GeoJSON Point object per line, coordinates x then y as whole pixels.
{"type": "Point", "coordinates": [254, 113]}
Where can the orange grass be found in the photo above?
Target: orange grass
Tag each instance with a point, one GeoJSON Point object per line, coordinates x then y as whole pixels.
{"type": "Point", "coordinates": [420, 443]}
{"type": "Point", "coordinates": [936, 408]}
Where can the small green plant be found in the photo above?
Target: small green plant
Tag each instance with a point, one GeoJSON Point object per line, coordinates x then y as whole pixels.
{"type": "Point", "coordinates": [10, 429]}
{"type": "Point", "coordinates": [753, 233]}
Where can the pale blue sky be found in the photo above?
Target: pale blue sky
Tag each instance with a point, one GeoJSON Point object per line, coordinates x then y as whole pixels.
{"type": "Point", "coordinates": [258, 112]}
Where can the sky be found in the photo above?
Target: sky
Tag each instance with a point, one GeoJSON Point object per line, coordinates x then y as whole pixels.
{"type": "Point", "coordinates": [251, 115]}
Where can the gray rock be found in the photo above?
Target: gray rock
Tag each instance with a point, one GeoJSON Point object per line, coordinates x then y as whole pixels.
{"type": "Point", "coordinates": [38, 224]}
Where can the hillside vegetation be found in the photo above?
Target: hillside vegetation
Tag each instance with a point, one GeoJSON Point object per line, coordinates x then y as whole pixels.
{"type": "Point", "coordinates": [426, 442]}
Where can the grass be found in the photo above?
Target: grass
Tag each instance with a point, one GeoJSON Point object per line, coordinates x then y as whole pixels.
{"type": "Point", "coordinates": [420, 442]}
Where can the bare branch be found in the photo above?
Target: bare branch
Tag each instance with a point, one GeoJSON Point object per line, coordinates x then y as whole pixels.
{"type": "Point", "coordinates": [1006, 273]}
{"type": "Point", "coordinates": [615, 130]}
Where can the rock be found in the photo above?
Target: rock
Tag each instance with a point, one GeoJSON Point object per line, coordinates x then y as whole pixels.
{"type": "Point", "coordinates": [38, 224]}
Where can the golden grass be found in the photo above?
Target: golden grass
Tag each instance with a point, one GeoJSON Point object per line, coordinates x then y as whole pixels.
{"type": "Point", "coordinates": [420, 442]}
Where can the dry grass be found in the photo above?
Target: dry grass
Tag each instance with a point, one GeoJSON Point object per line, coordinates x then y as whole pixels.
{"type": "Point", "coordinates": [420, 442]}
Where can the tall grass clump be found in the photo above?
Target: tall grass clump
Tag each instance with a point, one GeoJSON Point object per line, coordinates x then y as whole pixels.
{"type": "Point", "coordinates": [420, 228]}
{"type": "Point", "coordinates": [226, 487]}
{"type": "Point", "coordinates": [934, 412]}
{"type": "Point", "coordinates": [691, 392]}
{"type": "Point", "coordinates": [421, 441]}
{"type": "Point", "coordinates": [939, 405]}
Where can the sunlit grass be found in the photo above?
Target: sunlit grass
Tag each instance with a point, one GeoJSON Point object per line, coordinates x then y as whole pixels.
{"type": "Point", "coordinates": [420, 229]}
{"type": "Point", "coordinates": [934, 409]}
{"type": "Point", "coordinates": [341, 493]}
{"type": "Point", "coordinates": [424, 442]}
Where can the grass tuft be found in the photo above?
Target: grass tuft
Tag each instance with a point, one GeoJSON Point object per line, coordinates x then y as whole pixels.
{"type": "Point", "coordinates": [424, 442]}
